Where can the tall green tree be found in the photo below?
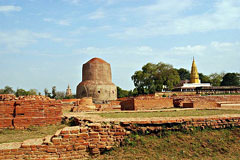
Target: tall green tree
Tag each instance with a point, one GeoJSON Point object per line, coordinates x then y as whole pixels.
{"type": "Point", "coordinates": [21, 92]}
{"type": "Point", "coordinates": [231, 79]}
{"type": "Point", "coordinates": [216, 78]}
{"type": "Point", "coordinates": [8, 90]}
{"type": "Point", "coordinates": [204, 78]}
{"type": "Point", "coordinates": [122, 93]}
{"type": "Point", "coordinates": [153, 77]}
{"type": "Point", "coordinates": [183, 73]}
{"type": "Point", "coordinates": [54, 91]}
{"type": "Point", "coordinates": [32, 92]}
{"type": "Point", "coordinates": [46, 93]}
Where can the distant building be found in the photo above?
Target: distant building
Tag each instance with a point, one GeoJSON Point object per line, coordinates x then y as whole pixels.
{"type": "Point", "coordinates": [194, 81]}
{"type": "Point", "coordinates": [68, 91]}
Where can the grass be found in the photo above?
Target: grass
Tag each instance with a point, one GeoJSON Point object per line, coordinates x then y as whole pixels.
{"type": "Point", "coordinates": [182, 113]}
{"type": "Point", "coordinates": [206, 144]}
{"type": "Point", "coordinates": [15, 135]}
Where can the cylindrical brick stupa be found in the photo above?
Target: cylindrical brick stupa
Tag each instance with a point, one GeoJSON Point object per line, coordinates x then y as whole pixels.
{"type": "Point", "coordinates": [97, 81]}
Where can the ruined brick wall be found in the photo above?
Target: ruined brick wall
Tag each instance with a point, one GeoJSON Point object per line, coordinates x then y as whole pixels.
{"type": "Point", "coordinates": [69, 143]}
{"type": "Point", "coordinates": [79, 142]}
{"type": "Point", "coordinates": [6, 114]}
{"type": "Point", "coordinates": [27, 111]}
{"type": "Point", "coordinates": [151, 104]}
{"type": "Point", "coordinates": [127, 104]}
{"type": "Point", "coordinates": [146, 103]}
{"type": "Point", "coordinates": [205, 101]}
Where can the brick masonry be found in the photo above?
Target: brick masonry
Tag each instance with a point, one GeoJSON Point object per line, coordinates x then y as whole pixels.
{"type": "Point", "coordinates": [223, 101]}
{"type": "Point", "coordinates": [79, 142]}
{"type": "Point", "coordinates": [27, 111]}
{"type": "Point", "coordinates": [147, 103]}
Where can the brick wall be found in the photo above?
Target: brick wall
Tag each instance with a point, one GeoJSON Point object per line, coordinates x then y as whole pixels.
{"type": "Point", "coordinates": [128, 104]}
{"type": "Point", "coordinates": [6, 113]}
{"type": "Point", "coordinates": [151, 104]}
{"type": "Point", "coordinates": [146, 103]}
{"type": "Point", "coordinates": [206, 101]}
{"type": "Point", "coordinates": [79, 142]}
{"type": "Point", "coordinates": [27, 111]}
{"type": "Point", "coordinates": [69, 143]}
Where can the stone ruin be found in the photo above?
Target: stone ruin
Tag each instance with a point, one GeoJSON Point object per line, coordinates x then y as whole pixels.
{"type": "Point", "coordinates": [97, 82]}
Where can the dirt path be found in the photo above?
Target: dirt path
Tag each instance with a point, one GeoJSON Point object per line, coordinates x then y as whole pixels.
{"type": "Point", "coordinates": [97, 118]}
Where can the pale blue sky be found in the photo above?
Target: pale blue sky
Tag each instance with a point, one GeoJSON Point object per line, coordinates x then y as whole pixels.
{"type": "Point", "coordinates": [45, 42]}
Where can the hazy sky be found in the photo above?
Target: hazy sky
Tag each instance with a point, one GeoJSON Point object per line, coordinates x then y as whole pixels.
{"type": "Point", "coordinates": [45, 42]}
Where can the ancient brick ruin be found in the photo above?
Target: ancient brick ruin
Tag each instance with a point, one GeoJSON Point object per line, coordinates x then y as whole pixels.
{"type": "Point", "coordinates": [183, 101]}
{"type": "Point", "coordinates": [205, 102]}
{"type": "Point", "coordinates": [89, 138]}
{"type": "Point", "coordinates": [147, 103]}
{"type": "Point", "coordinates": [27, 111]}
{"type": "Point", "coordinates": [97, 81]}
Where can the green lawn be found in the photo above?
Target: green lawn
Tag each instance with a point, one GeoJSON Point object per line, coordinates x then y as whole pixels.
{"type": "Point", "coordinates": [11, 135]}
{"type": "Point", "coordinates": [178, 113]}
{"type": "Point", "coordinates": [206, 144]}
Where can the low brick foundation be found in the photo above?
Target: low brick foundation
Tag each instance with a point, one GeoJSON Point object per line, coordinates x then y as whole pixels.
{"type": "Point", "coordinates": [222, 101]}
{"type": "Point", "coordinates": [79, 142]}
{"type": "Point", "coordinates": [147, 103]}
{"type": "Point", "coordinates": [27, 111]}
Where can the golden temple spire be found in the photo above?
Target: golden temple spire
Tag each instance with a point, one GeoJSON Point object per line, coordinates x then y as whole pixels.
{"type": "Point", "coordinates": [194, 73]}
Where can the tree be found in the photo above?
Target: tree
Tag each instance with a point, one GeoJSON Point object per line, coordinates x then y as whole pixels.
{"type": "Point", "coordinates": [133, 92]}
{"type": "Point", "coordinates": [47, 94]}
{"type": "Point", "coordinates": [122, 93]}
{"type": "Point", "coordinates": [60, 95]}
{"type": "Point", "coordinates": [183, 73]}
{"type": "Point", "coordinates": [153, 77]}
{"type": "Point", "coordinates": [216, 79]}
{"type": "Point", "coordinates": [231, 79]}
{"type": "Point", "coordinates": [204, 78]}
{"type": "Point", "coordinates": [8, 90]}
{"type": "Point", "coordinates": [53, 91]}
{"type": "Point", "coordinates": [32, 92]}
{"type": "Point", "coordinates": [21, 92]}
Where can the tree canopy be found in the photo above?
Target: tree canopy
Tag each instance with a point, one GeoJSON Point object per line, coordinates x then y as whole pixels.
{"type": "Point", "coordinates": [7, 90]}
{"type": "Point", "coordinates": [204, 78]}
{"type": "Point", "coordinates": [216, 78]}
{"type": "Point", "coordinates": [153, 77]}
{"type": "Point", "coordinates": [183, 73]}
{"type": "Point", "coordinates": [122, 93]}
{"type": "Point", "coordinates": [231, 79]}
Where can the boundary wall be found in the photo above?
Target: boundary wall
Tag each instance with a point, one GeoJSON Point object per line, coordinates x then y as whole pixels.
{"type": "Point", "coordinates": [79, 142]}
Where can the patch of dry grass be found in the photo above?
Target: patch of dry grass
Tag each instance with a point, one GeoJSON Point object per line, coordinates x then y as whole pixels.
{"type": "Point", "coordinates": [176, 113]}
{"type": "Point", "coordinates": [16, 135]}
{"type": "Point", "coordinates": [206, 144]}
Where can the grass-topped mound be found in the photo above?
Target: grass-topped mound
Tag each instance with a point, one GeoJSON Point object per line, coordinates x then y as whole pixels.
{"type": "Point", "coordinates": [206, 144]}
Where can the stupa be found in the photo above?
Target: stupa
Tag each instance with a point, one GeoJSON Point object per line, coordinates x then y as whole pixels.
{"type": "Point", "coordinates": [97, 81]}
